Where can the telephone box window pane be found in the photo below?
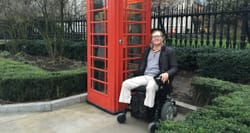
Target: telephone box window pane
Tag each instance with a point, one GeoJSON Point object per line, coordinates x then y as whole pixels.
{"type": "Point", "coordinates": [99, 4]}
{"type": "Point", "coordinates": [99, 75]}
{"type": "Point", "coordinates": [130, 75]}
{"type": "Point", "coordinates": [99, 63]}
{"type": "Point", "coordinates": [99, 16]}
{"type": "Point", "coordinates": [99, 52]}
{"type": "Point", "coordinates": [99, 28]}
{"type": "Point", "coordinates": [135, 28]}
{"type": "Point", "coordinates": [136, 5]}
{"type": "Point", "coordinates": [100, 40]}
{"type": "Point", "coordinates": [134, 16]}
{"type": "Point", "coordinates": [134, 52]}
{"type": "Point", "coordinates": [99, 86]}
{"type": "Point", "coordinates": [134, 40]}
{"type": "Point", "coordinates": [133, 64]}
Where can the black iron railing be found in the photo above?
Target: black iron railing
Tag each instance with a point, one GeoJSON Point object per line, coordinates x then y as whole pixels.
{"type": "Point", "coordinates": [225, 24]}
{"type": "Point", "coordinates": [71, 28]}
{"type": "Point", "coordinates": [214, 24]}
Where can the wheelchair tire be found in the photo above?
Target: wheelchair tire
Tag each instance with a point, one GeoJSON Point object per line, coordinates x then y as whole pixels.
{"type": "Point", "coordinates": [121, 118]}
{"type": "Point", "coordinates": [168, 111]}
{"type": "Point", "coordinates": [152, 127]}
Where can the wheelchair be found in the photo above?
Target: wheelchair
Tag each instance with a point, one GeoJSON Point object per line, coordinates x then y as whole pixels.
{"type": "Point", "coordinates": [164, 107]}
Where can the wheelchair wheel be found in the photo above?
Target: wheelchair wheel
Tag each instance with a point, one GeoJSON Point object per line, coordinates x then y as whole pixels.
{"type": "Point", "coordinates": [152, 127]}
{"type": "Point", "coordinates": [168, 111]}
{"type": "Point", "coordinates": [121, 118]}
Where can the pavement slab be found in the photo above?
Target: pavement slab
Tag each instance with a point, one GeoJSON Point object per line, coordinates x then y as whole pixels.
{"type": "Point", "coordinates": [77, 118]}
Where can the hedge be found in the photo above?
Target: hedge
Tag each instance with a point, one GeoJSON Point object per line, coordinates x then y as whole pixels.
{"type": "Point", "coordinates": [226, 64]}
{"type": "Point", "coordinates": [23, 83]}
{"type": "Point", "coordinates": [242, 97]}
{"type": "Point", "coordinates": [229, 113]}
{"type": "Point", "coordinates": [203, 125]}
{"type": "Point", "coordinates": [211, 120]}
{"type": "Point", "coordinates": [230, 65]}
{"type": "Point", "coordinates": [2, 47]}
{"type": "Point", "coordinates": [72, 50]}
{"type": "Point", "coordinates": [76, 50]}
{"type": "Point", "coordinates": [187, 56]}
{"type": "Point", "coordinates": [206, 89]}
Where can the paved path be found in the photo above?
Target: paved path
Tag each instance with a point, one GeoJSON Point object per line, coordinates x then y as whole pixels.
{"type": "Point", "coordinates": [78, 118]}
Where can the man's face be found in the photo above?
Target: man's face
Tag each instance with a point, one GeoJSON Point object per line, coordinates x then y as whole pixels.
{"type": "Point", "coordinates": [157, 38]}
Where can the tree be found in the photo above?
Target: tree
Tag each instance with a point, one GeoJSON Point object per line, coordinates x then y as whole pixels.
{"type": "Point", "coordinates": [46, 16]}
{"type": "Point", "coordinates": [169, 3]}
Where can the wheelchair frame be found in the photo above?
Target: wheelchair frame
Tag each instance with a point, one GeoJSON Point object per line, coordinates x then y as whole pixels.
{"type": "Point", "coordinates": [164, 107]}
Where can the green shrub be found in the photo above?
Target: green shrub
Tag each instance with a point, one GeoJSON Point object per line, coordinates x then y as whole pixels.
{"type": "Point", "coordinates": [203, 125]}
{"type": "Point", "coordinates": [228, 113]}
{"type": "Point", "coordinates": [174, 127]}
{"type": "Point", "coordinates": [238, 98]}
{"type": "Point", "coordinates": [210, 120]}
{"type": "Point", "coordinates": [225, 64]}
{"type": "Point", "coordinates": [4, 53]}
{"type": "Point", "coordinates": [34, 47]}
{"type": "Point", "coordinates": [239, 114]}
{"type": "Point", "coordinates": [72, 50]}
{"type": "Point", "coordinates": [206, 89]}
{"type": "Point", "coordinates": [13, 46]}
{"type": "Point", "coordinates": [2, 47]}
{"type": "Point", "coordinates": [77, 51]}
{"type": "Point", "coordinates": [231, 65]}
{"type": "Point", "coordinates": [23, 83]}
{"type": "Point", "coordinates": [187, 56]}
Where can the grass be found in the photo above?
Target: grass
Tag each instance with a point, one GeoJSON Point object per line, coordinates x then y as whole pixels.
{"type": "Point", "coordinates": [2, 42]}
{"type": "Point", "coordinates": [13, 69]}
{"type": "Point", "coordinates": [20, 82]}
{"type": "Point", "coordinates": [68, 72]}
{"type": "Point", "coordinates": [10, 69]}
{"type": "Point", "coordinates": [199, 44]}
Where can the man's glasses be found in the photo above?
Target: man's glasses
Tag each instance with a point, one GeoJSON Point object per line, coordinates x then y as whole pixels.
{"type": "Point", "coordinates": [156, 36]}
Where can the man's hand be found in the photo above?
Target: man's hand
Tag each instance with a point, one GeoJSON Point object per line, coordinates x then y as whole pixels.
{"type": "Point", "coordinates": [164, 77]}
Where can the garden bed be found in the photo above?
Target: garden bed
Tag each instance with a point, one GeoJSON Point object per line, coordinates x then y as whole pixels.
{"type": "Point", "coordinates": [182, 87]}
{"type": "Point", "coordinates": [22, 82]}
{"type": "Point", "coordinates": [46, 63]}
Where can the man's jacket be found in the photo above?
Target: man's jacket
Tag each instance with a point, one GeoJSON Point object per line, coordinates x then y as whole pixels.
{"type": "Point", "coordinates": [167, 62]}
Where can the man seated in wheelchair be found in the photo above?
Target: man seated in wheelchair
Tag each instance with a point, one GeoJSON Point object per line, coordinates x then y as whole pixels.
{"type": "Point", "coordinates": [158, 60]}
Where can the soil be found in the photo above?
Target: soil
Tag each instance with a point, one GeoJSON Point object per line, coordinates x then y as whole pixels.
{"type": "Point", "coordinates": [182, 87]}
{"type": "Point", "coordinates": [47, 63]}
{"type": "Point", "coordinates": [56, 64]}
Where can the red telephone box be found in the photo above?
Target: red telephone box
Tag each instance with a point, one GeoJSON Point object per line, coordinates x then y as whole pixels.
{"type": "Point", "coordinates": [118, 31]}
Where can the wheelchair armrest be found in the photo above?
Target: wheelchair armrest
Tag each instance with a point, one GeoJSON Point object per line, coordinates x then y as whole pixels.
{"type": "Point", "coordinates": [160, 83]}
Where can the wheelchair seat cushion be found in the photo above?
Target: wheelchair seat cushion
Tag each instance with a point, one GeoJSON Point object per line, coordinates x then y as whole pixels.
{"type": "Point", "coordinates": [140, 89]}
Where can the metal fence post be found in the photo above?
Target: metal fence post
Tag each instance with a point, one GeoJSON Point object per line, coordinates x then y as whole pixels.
{"type": "Point", "coordinates": [244, 28]}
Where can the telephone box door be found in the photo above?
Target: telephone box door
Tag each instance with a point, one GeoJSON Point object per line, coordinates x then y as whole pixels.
{"type": "Point", "coordinates": [118, 31]}
{"type": "Point", "coordinates": [136, 36]}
